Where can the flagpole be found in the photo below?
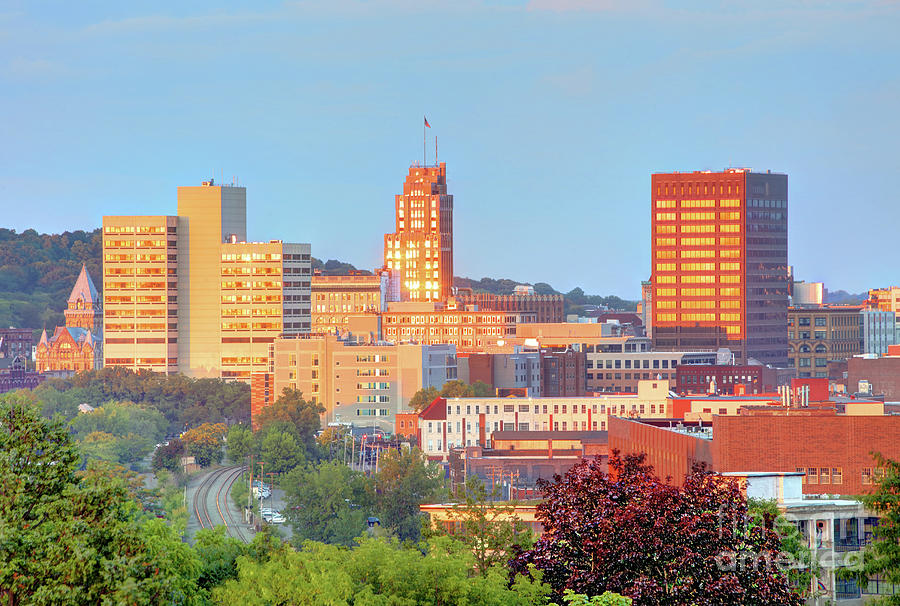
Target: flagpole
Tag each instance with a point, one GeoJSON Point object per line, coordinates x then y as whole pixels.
{"type": "Point", "coordinates": [423, 144]}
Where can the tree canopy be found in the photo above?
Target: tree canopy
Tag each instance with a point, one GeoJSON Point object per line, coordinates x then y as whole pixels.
{"type": "Point", "coordinates": [631, 533]}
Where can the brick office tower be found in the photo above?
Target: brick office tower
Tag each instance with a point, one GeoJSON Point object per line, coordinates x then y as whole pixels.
{"type": "Point", "coordinates": [719, 263]}
{"type": "Point", "coordinates": [421, 248]}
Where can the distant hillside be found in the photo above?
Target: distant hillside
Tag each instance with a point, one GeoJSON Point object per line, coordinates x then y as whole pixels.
{"type": "Point", "coordinates": [37, 272]}
{"type": "Point", "coordinates": [842, 297]}
{"type": "Point", "coordinates": [575, 299]}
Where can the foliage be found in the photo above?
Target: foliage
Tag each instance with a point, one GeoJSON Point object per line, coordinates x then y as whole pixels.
{"type": "Point", "coordinates": [183, 401]}
{"type": "Point", "coordinates": [332, 267]}
{"type": "Point", "coordinates": [303, 417]}
{"type": "Point", "coordinates": [422, 398]}
{"type": "Point", "coordinates": [573, 298]}
{"type": "Point", "coordinates": [631, 533]}
{"type": "Point", "coordinates": [766, 513]}
{"type": "Point", "coordinates": [240, 493]}
{"type": "Point", "coordinates": [75, 539]}
{"type": "Point", "coordinates": [205, 443]}
{"type": "Point", "coordinates": [607, 599]}
{"type": "Point", "coordinates": [376, 572]}
{"type": "Point", "coordinates": [38, 271]}
{"type": "Point", "coordinates": [119, 431]}
{"type": "Point", "coordinates": [491, 530]}
{"type": "Point", "coordinates": [882, 557]}
{"type": "Point", "coordinates": [456, 389]}
{"type": "Point", "coordinates": [218, 555]}
{"type": "Point", "coordinates": [328, 502]}
{"type": "Point", "coordinates": [279, 449]}
{"type": "Point", "coordinates": [168, 456]}
{"type": "Point", "coordinates": [240, 443]}
{"type": "Point", "coordinates": [480, 389]}
{"type": "Point", "coordinates": [404, 481]}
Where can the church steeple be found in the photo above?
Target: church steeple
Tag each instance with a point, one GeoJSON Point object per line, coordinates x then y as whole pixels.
{"type": "Point", "coordinates": [85, 308]}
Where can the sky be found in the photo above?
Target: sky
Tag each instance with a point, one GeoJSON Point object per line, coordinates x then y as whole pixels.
{"type": "Point", "coordinates": [550, 114]}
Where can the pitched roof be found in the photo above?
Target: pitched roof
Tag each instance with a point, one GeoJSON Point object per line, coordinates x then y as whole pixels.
{"type": "Point", "coordinates": [84, 288]}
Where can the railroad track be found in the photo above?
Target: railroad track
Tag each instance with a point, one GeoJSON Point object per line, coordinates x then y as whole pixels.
{"type": "Point", "coordinates": [226, 478]}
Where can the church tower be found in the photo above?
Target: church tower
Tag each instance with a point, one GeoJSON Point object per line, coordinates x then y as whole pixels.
{"type": "Point", "coordinates": [85, 309]}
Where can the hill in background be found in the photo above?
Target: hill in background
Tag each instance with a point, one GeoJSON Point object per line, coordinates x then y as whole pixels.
{"type": "Point", "coordinates": [37, 272]}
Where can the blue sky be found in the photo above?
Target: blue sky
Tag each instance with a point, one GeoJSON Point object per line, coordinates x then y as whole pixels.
{"type": "Point", "coordinates": [550, 114]}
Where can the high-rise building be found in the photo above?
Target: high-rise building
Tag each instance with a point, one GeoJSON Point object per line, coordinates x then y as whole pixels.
{"type": "Point", "coordinates": [819, 334]}
{"type": "Point", "coordinates": [719, 263]}
{"type": "Point", "coordinates": [140, 292]}
{"type": "Point", "coordinates": [189, 294]}
{"type": "Point", "coordinates": [421, 247]}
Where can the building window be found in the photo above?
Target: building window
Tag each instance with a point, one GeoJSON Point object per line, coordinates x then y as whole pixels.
{"type": "Point", "coordinates": [819, 322]}
{"type": "Point", "coordinates": [825, 475]}
{"type": "Point", "coordinates": [837, 475]}
{"type": "Point", "coordinates": [812, 475]}
{"type": "Point", "coordinates": [867, 475]}
{"type": "Point", "coordinates": [803, 471]}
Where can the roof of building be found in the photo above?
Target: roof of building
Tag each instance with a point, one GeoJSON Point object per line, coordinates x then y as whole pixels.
{"type": "Point", "coordinates": [434, 411]}
{"type": "Point", "coordinates": [79, 335]}
{"type": "Point", "coordinates": [84, 288]}
{"type": "Point", "coordinates": [584, 436]}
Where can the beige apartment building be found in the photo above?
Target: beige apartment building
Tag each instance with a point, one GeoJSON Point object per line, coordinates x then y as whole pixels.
{"type": "Point", "coordinates": [348, 305]}
{"type": "Point", "coordinates": [189, 294]}
{"type": "Point", "coordinates": [362, 384]}
{"type": "Point", "coordinates": [140, 292]}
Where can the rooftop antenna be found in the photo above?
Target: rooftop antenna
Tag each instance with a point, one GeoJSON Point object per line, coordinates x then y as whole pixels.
{"type": "Point", "coordinates": [426, 125]}
{"type": "Point", "coordinates": [435, 151]}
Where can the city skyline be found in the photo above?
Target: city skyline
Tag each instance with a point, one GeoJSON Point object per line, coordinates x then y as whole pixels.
{"type": "Point", "coordinates": [549, 118]}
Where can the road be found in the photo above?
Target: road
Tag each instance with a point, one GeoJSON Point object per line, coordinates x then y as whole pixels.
{"type": "Point", "coordinates": [209, 503]}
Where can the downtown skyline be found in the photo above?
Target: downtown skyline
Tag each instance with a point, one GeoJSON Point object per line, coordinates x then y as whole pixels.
{"type": "Point", "coordinates": [551, 122]}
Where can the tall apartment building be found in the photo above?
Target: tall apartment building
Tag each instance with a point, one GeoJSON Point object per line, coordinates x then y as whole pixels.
{"type": "Point", "coordinates": [264, 295]}
{"type": "Point", "coordinates": [719, 263]}
{"type": "Point", "coordinates": [363, 384]}
{"type": "Point", "coordinates": [141, 291]}
{"type": "Point", "coordinates": [188, 294]}
{"type": "Point", "coordinates": [819, 334]}
{"type": "Point", "coordinates": [421, 247]}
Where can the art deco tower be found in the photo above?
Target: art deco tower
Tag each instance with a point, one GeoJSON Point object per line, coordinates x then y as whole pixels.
{"type": "Point", "coordinates": [420, 251]}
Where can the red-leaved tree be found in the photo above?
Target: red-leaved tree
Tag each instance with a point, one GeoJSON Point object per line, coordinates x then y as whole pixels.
{"type": "Point", "coordinates": [631, 533]}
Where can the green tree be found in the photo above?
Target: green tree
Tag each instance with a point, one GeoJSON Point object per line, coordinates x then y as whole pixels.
{"type": "Point", "coordinates": [279, 450]}
{"type": "Point", "coordinates": [218, 556]}
{"type": "Point", "coordinates": [456, 389]}
{"type": "Point", "coordinates": [376, 572]}
{"type": "Point", "coordinates": [480, 389]}
{"type": "Point", "coordinates": [239, 443]}
{"type": "Point", "coordinates": [422, 398]}
{"type": "Point", "coordinates": [168, 456]}
{"type": "Point", "coordinates": [881, 558]}
{"type": "Point", "coordinates": [76, 539]}
{"type": "Point", "coordinates": [492, 530]}
{"type": "Point", "coordinates": [205, 443]}
{"type": "Point", "coordinates": [303, 416]}
{"type": "Point", "coordinates": [607, 599]}
{"type": "Point", "coordinates": [328, 502]}
{"type": "Point", "coordinates": [405, 480]}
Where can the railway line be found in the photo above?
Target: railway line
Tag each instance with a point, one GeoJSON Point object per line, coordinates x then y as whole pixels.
{"type": "Point", "coordinates": [220, 481]}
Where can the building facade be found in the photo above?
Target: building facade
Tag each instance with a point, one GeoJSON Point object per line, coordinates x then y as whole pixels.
{"type": "Point", "coordinates": [547, 308]}
{"type": "Point", "coordinates": [880, 373]}
{"type": "Point", "coordinates": [140, 292]}
{"type": "Point", "coordinates": [719, 263]}
{"type": "Point", "coordinates": [879, 330]}
{"type": "Point", "coordinates": [189, 294]}
{"type": "Point", "coordinates": [77, 346]}
{"type": "Point", "coordinates": [725, 379]}
{"type": "Point", "coordinates": [621, 367]}
{"type": "Point", "coordinates": [15, 343]}
{"type": "Point", "coordinates": [458, 422]}
{"type": "Point", "coordinates": [562, 373]}
{"type": "Point", "coordinates": [515, 372]}
{"type": "Point", "coordinates": [819, 334]}
{"type": "Point", "coordinates": [348, 304]}
{"type": "Point", "coordinates": [432, 323]}
{"type": "Point", "coordinates": [363, 384]}
{"type": "Point", "coordinates": [421, 247]}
